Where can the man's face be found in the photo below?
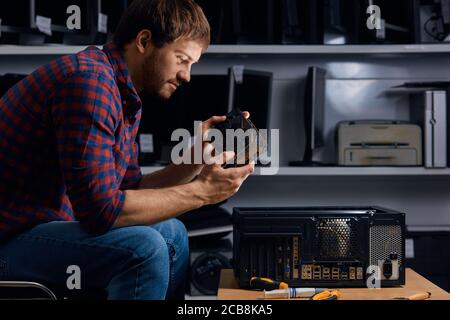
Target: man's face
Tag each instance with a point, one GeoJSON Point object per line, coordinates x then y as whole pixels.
{"type": "Point", "coordinates": [168, 67]}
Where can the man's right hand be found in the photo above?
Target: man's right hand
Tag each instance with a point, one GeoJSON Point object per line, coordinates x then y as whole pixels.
{"type": "Point", "coordinates": [215, 184]}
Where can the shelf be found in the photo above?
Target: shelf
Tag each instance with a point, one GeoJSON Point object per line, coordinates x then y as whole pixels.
{"type": "Point", "coordinates": [254, 49]}
{"type": "Point", "coordinates": [344, 171]}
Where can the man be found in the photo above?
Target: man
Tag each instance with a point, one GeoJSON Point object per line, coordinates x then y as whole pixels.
{"type": "Point", "coordinates": [71, 191]}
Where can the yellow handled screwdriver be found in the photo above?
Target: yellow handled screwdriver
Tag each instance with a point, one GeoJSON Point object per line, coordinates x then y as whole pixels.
{"type": "Point", "coordinates": [267, 284]}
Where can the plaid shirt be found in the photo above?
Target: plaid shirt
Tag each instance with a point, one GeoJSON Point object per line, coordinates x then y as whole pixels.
{"type": "Point", "coordinates": [67, 147]}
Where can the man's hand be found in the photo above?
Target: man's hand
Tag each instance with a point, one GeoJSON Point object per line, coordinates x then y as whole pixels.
{"type": "Point", "coordinates": [215, 184]}
{"type": "Point", "coordinates": [207, 147]}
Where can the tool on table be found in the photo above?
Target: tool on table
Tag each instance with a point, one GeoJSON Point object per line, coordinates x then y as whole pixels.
{"type": "Point", "coordinates": [327, 295]}
{"type": "Point", "coordinates": [417, 296]}
{"type": "Point", "coordinates": [266, 284]}
{"type": "Point", "coordinates": [292, 293]}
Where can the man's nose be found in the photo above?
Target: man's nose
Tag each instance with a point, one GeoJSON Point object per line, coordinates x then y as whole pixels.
{"type": "Point", "coordinates": [184, 76]}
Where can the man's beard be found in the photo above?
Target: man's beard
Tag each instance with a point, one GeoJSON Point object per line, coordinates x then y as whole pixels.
{"type": "Point", "coordinates": [153, 79]}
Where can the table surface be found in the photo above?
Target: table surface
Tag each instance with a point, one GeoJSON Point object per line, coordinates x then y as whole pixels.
{"type": "Point", "coordinates": [229, 290]}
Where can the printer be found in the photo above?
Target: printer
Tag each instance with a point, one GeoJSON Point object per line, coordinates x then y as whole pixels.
{"type": "Point", "coordinates": [379, 143]}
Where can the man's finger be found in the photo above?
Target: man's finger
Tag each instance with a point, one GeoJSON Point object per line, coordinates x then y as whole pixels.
{"type": "Point", "coordinates": [214, 120]}
{"type": "Point", "coordinates": [223, 157]}
{"type": "Point", "coordinates": [242, 171]}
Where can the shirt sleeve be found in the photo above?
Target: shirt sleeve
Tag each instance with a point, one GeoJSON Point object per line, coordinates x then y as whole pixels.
{"type": "Point", "coordinates": [85, 117]}
{"type": "Point", "coordinates": [133, 174]}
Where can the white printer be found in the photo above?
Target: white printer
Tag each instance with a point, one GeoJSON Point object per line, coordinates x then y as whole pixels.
{"type": "Point", "coordinates": [379, 143]}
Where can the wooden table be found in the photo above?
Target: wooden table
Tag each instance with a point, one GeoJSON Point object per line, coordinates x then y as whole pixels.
{"type": "Point", "coordinates": [228, 289]}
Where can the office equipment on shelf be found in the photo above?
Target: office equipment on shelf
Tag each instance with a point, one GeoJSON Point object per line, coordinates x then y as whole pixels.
{"type": "Point", "coordinates": [204, 96]}
{"type": "Point", "coordinates": [429, 110]}
{"type": "Point", "coordinates": [8, 80]}
{"type": "Point", "coordinates": [319, 246]}
{"type": "Point", "coordinates": [298, 22]}
{"type": "Point", "coordinates": [108, 15]}
{"type": "Point", "coordinates": [16, 22]}
{"type": "Point", "coordinates": [400, 22]}
{"type": "Point", "coordinates": [51, 17]}
{"type": "Point", "coordinates": [251, 90]}
{"type": "Point", "coordinates": [340, 21]}
{"type": "Point", "coordinates": [379, 143]}
{"type": "Point", "coordinates": [434, 21]}
{"type": "Point", "coordinates": [313, 117]}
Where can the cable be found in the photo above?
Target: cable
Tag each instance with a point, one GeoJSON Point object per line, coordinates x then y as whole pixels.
{"type": "Point", "coordinates": [438, 36]}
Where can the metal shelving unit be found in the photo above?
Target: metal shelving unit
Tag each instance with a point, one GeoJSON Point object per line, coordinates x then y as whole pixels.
{"type": "Point", "coordinates": [344, 171]}
{"type": "Point", "coordinates": [254, 49]}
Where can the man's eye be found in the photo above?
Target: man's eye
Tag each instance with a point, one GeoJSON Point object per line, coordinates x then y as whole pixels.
{"type": "Point", "coordinates": [182, 60]}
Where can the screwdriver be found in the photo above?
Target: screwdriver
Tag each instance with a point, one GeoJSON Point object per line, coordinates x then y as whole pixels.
{"type": "Point", "coordinates": [327, 295]}
{"type": "Point", "coordinates": [267, 284]}
{"type": "Point", "coordinates": [417, 296]}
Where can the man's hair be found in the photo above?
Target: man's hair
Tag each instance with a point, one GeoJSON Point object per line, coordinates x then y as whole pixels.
{"type": "Point", "coordinates": [168, 20]}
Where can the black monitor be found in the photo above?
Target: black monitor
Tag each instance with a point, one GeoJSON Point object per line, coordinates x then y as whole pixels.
{"type": "Point", "coordinates": [16, 20]}
{"type": "Point", "coordinates": [204, 96]}
{"type": "Point", "coordinates": [341, 20]}
{"type": "Point", "coordinates": [314, 105]}
{"type": "Point", "coordinates": [57, 12]}
{"type": "Point", "coordinates": [251, 90]}
{"type": "Point", "coordinates": [219, 14]}
{"type": "Point", "coordinates": [400, 22]}
{"type": "Point", "coordinates": [113, 10]}
{"type": "Point", "coordinates": [253, 21]}
{"type": "Point", "coordinates": [298, 21]}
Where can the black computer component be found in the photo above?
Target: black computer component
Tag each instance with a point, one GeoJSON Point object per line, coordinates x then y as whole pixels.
{"type": "Point", "coordinates": [435, 21]}
{"type": "Point", "coordinates": [341, 20]}
{"type": "Point", "coordinates": [220, 16]}
{"type": "Point", "coordinates": [253, 21]}
{"type": "Point", "coordinates": [16, 23]}
{"type": "Point", "coordinates": [251, 90]}
{"type": "Point", "coordinates": [112, 10]}
{"type": "Point", "coordinates": [57, 12]}
{"type": "Point", "coordinates": [320, 246]}
{"type": "Point", "coordinates": [313, 108]}
{"type": "Point", "coordinates": [203, 97]}
{"type": "Point", "coordinates": [400, 22]}
{"type": "Point", "coordinates": [298, 21]}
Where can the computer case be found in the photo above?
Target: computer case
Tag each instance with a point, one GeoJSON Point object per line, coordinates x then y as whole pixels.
{"type": "Point", "coordinates": [320, 246]}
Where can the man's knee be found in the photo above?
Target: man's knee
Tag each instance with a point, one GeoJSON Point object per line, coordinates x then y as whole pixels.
{"type": "Point", "coordinates": [175, 233]}
{"type": "Point", "coordinates": [146, 243]}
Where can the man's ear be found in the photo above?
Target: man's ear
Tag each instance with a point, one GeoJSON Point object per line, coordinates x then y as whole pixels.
{"type": "Point", "coordinates": [143, 40]}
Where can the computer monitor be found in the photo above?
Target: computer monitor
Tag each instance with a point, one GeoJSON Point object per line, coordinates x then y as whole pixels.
{"type": "Point", "coordinates": [112, 10]}
{"type": "Point", "coordinates": [219, 14]}
{"type": "Point", "coordinates": [314, 104]}
{"type": "Point", "coordinates": [16, 20]}
{"type": "Point", "coordinates": [341, 21]}
{"type": "Point", "coordinates": [203, 97]}
{"type": "Point", "coordinates": [251, 90]}
{"type": "Point", "coordinates": [298, 21]}
{"type": "Point", "coordinates": [57, 12]}
{"type": "Point", "coordinates": [400, 22]}
{"type": "Point", "coordinates": [253, 21]}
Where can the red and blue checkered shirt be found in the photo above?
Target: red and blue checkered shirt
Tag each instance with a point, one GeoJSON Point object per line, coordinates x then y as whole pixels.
{"type": "Point", "coordinates": [67, 147]}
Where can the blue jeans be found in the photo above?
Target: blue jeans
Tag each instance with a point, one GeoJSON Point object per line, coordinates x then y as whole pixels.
{"type": "Point", "coordinates": [137, 262]}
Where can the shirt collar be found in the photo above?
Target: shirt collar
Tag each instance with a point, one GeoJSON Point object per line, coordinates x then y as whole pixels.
{"type": "Point", "coordinates": [131, 103]}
